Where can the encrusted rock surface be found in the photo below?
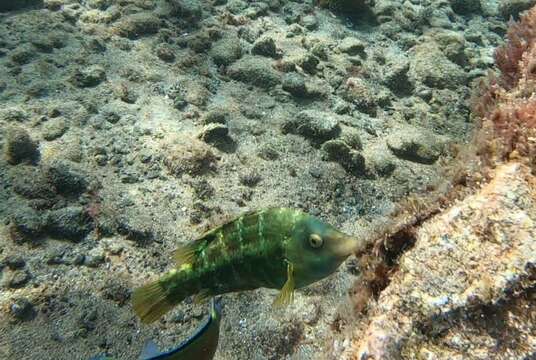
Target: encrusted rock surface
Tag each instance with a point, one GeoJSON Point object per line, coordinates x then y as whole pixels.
{"type": "Point", "coordinates": [467, 287]}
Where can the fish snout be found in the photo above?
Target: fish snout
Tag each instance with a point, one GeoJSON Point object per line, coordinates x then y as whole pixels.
{"type": "Point", "coordinates": [346, 245]}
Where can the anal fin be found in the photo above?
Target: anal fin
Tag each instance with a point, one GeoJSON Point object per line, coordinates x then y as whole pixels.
{"type": "Point", "coordinates": [286, 295]}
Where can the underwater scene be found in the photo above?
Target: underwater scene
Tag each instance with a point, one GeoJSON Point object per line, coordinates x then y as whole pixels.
{"type": "Point", "coordinates": [267, 179]}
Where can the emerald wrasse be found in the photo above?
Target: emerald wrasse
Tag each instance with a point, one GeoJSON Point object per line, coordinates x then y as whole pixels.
{"type": "Point", "coordinates": [276, 248]}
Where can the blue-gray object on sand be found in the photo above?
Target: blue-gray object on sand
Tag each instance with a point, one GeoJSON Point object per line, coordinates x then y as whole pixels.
{"type": "Point", "coordinates": [201, 345]}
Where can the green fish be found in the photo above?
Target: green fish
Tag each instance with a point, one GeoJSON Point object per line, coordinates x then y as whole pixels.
{"type": "Point", "coordinates": [276, 248]}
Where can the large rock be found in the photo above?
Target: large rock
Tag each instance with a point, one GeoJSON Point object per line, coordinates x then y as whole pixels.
{"type": "Point", "coordinates": [7, 5]}
{"type": "Point", "coordinates": [72, 223]}
{"type": "Point", "coordinates": [226, 50]}
{"type": "Point", "coordinates": [19, 147]}
{"type": "Point", "coordinates": [137, 25]}
{"type": "Point", "coordinates": [67, 177]}
{"type": "Point", "coordinates": [317, 126]}
{"type": "Point", "coordinates": [512, 8]}
{"type": "Point", "coordinates": [429, 66]}
{"type": "Point", "coordinates": [467, 286]}
{"type": "Point", "coordinates": [413, 144]}
{"type": "Point", "coordinates": [255, 70]}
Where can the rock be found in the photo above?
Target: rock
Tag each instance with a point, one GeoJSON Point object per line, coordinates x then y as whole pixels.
{"type": "Point", "coordinates": [67, 177]}
{"type": "Point", "coordinates": [395, 75]}
{"type": "Point", "coordinates": [26, 225]}
{"type": "Point", "coordinates": [352, 46]}
{"type": "Point", "coordinates": [71, 223]}
{"type": "Point", "coordinates": [192, 157]}
{"type": "Point", "coordinates": [216, 116]}
{"type": "Point", "coordinates": [165, 53]}
{"type": "Point", "coordinates": [54, 129]}
{"type": "Point", "coordinates": [137, 25]}
{"type": "Point", "coordinates": [256, 10]}
{"type": "Point", "coordinates": [350, 136]}
{"type": "Point", "coordinates": [310, 22]}
{"type": "Point", "coordinates": [214, 133]}
{"type": "Point", "coordinates": [13, 114]}
{"type": "Point", "coordinates": [217, 135]}
{"type": "Point", "coordinates": [226, 50]}
{"type": "Point", "coordinates": [23, 54]}
{"type": "Point", "coordinates": [55, 256]}
{"type": "Point", "coordinates": [416, 145]}
{"type": "Point", "coordinates": [19, 147]}
{"type": "Point", "coordinates": [136, 225]}
{"type": "Point", "coordinates": [268, 153]}
{"type": "Point", "coordinates": [430, 67]}
{"type": "Point", "coordinates": [89, 77]}
{"type": "Point", "coordinates": [380, 160]}
{"type": "Point", "coordinates": [512, 8]}
{"type": "Point", "coordinates": [351, 160]}
{"type": "Point", "coordinates": [358, 91]}
{"type": "Point", "coordinates": [315, 125]}
{"type": "Point", "coordinates": [308, 62]}
{"type": "Point", "coordinates": [236, 6]}
{"type": "Point", "coordinates": [53, 5]}
{"type": "Point", "coordinates": [254, 70]}
{"type": "Point", "coordinates": [115, 290]}
{"type": "Point", "coordinates": [94, 260]}
{"type": "Point", "coordinates": [197, 93]}
{"type": "Point", "coordinates": [18, 279]}
{"type": "Point", "coordinates": [466, 7]}
{"type": "Point", "coordinates": [44, 43]}
{"type": "Point", "coordinates": [9, 5]}
{"type": "Point", "coordinates": [294, 83]}
{"type": "Point", "coordinates": [200, 41]}
{"type": "Point", "coordinates": [100, 4]}
{"type": "Point", "coordinates": [452, 44]}
{"type": "Point", "coordinates": [190, 10]}
{"type": "Point", "coordinates": [22, 309]}
{"type": "Point", "coordinates": [458, 276]}
{"type": "Point", "coordinates": [14, 262]}
{"type": "Point", "coordinates": [275, 345]}
{"type": "Point", "coordinates": [265, 46]}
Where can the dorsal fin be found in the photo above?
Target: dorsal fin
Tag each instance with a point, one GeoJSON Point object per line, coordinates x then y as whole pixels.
{"type": "Point", "coordinates": [185, 254]}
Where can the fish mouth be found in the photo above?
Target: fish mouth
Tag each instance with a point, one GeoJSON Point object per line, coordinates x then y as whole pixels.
{"type": "Point", "coordinates": [346, 245]}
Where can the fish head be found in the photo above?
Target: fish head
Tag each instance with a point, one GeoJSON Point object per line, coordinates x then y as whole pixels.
{"type": "Point", "coordinates": [317, 249]}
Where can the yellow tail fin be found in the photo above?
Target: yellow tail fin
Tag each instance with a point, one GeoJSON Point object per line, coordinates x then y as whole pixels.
{"type": "Point", "coordinates": [150, 302]}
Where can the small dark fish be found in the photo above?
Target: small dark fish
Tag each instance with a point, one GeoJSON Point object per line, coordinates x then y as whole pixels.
{"type": "Point", "coordinates": [201, 345]}
{"type": "Point", "coordinates": [275, 248]}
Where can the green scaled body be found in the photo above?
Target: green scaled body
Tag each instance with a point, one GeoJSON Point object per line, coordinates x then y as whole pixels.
{"type": "Point", "coordinates": [274, 248]}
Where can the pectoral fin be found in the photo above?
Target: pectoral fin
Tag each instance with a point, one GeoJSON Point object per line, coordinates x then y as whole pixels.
{"type": "Point", "coordinates": [286, 295]}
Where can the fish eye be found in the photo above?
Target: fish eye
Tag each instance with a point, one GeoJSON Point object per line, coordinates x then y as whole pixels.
{"type": "Point", "coordinates": [315, 241]}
